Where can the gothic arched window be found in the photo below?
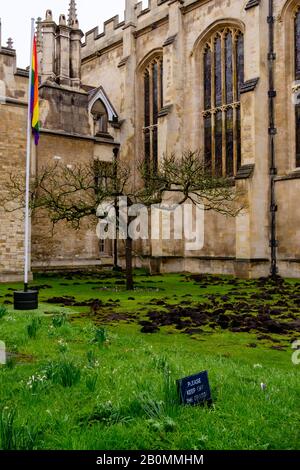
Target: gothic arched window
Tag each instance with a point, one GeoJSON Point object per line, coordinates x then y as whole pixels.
{"type": "Point", "coordinates": [223, 64]}
{"type": "Point", "coordinates": [297, 78]}
{"type": "Point", "coordinates": [100, 117]}
{"type": "Point", "coordinates": [153, 101]}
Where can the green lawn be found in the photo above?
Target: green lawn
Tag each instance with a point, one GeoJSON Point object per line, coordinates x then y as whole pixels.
{"type": "Point", "coordinates": [82, 375]}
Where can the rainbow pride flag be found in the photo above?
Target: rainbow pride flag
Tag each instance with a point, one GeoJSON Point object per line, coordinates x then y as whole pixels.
{"type": "Point", "coordinates": [34, 98]}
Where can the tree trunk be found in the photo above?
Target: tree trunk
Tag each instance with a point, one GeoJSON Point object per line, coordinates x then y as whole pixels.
{"type": "Point", "coordinates": [129, 270]}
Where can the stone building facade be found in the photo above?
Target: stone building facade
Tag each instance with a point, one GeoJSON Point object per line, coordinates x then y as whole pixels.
{"type": "Point", "coordinates": [179, 75]}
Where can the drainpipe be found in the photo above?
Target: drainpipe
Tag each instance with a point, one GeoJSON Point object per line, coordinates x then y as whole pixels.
{"type": "Point", "coordinates": [272, 136]}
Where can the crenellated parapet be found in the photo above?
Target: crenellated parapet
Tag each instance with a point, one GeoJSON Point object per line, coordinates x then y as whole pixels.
{"type": "Point", "coordinates": [112, 33]}
{"type": "Point", "coordinates": [152, 5]}
{"type": "Point", "coordinates": [136, 15]}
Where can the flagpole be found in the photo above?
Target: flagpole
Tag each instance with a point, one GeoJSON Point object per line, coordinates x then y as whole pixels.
{"type": "Point", "coordinates": [28, 159]}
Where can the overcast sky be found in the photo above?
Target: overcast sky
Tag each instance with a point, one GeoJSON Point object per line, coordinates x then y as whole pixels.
{"type": "Point", "coordinates": [15, 17]}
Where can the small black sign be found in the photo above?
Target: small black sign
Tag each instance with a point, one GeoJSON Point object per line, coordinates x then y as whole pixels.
{"type": "Point", "coordinates": [195, 390]}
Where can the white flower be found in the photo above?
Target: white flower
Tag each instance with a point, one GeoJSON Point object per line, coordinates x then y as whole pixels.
{"type": "Point", "coordinates": [263, 386]}
{"type": "Point", "coordinates": [35, 380]}
{"type": "Point", "coordinates": [10, 318]}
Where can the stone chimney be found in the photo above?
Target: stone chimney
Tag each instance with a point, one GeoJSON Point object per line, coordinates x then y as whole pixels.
{"type": "Point", "coordinates": [63, 52]}
{"type": "Point", "coordinates": [48, 28]}
{"type": "Point", "coordinates": [60, 48]}
{"type": "Point", "coordinates": [75, 46]}
{"type": "Point", "coordinates": [39, 43]}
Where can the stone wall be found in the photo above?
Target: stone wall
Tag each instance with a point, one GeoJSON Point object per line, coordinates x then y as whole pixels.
{"type": "Point", "coordinates": [115, 60]}
{"type": "Point", "coordinates": [13, 119]}
{"type": "Point", "coordinates": [63, 245]}
{"type": "Point", "coordinates": [176, 30]}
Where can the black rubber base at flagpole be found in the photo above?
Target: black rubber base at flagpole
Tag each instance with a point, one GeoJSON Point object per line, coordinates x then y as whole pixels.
{"type": "Point", "coordinates": [28, 300]}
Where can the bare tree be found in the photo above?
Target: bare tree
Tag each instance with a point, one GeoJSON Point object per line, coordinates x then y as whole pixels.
{"type": "Point", "coordinates": [190, 178]}
{"type": "Point", "coordinates": [74, 193]}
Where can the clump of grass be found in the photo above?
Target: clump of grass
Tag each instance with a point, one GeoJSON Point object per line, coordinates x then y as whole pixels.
{"type": "Point", "coordinates": [15, 436]}
{"type": "Point", "coordinates": [36, 382]}
{"type": "Point", "coordinates": [167, 424]}
{"type": "Point", "coordinates": [33, 327]}
{"type": "Point", "coordinates": [63, 372]}
{"type": "Point", "coordinates": [152, 408]}
{"type": "Point", "coordinates": [169, 388]}
{"type": "Point", "coordinates": [160, 405]}
{"type": "Point", "coordinates": [59, 320]}
{"type": "Point", "coordinates": [91, 381]}
{"type": "Point", "coordinates": [11, 362]}
{"type": "Point", "coordinates": [101, 337]}
{"type": "Point", "coordinates": [3, 311]}
{"type": "Point", "coordinates": [160, 362]}
{"type": "Point", "coordinates": [170, 392]}
{"type": "Point", "coordinates": [201, 443]}
{"type": "Point", "coordinates": [108, 414]}
{"type": "Point", "coordinates": [63, 346]}
{"type": "Point", "coordinates": [7, 429]}
{"type": "Point", "coordinates": [91, 357]}
{"type": "Point", "coordinates": [159, 409]}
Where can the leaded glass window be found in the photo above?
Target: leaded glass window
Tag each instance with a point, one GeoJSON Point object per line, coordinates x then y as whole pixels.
{"type": "Point", "coordinates": [223, 65]}
{"type": "Point", "coordinates": [297, 45]}
{"type": "Point", "coordinates": [153, 102]}
{"type": "Point", "coordinates": [297, 78]}
{"type": "Point", "coordinates": [298, 135]}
